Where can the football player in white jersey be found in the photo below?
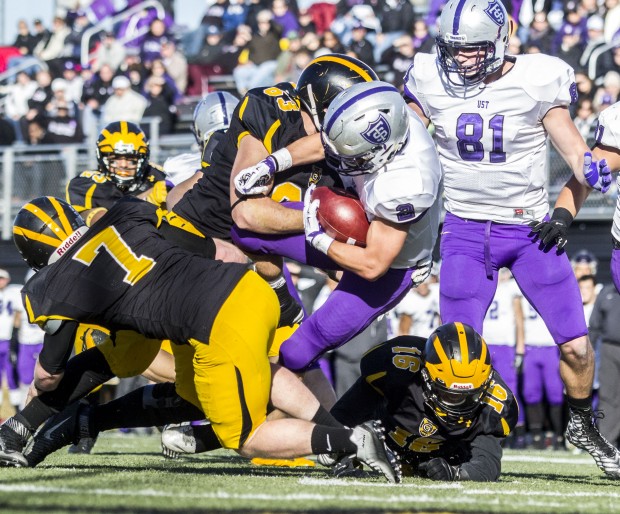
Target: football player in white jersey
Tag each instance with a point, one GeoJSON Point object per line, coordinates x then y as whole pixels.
{"type": "Point", "coordinates": [385, 154]}
{"type": "Point", "coordinates": [10, 316]}
{"type": "Point", "coordinates": [418, 312]}
{"type": "Point", "coordinates": [541, 379]}
{"type": "Point", "coordinates": [492, 114]}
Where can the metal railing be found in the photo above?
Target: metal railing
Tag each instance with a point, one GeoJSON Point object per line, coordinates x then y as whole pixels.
{"type": "Point", "coordinates": [108, 23]}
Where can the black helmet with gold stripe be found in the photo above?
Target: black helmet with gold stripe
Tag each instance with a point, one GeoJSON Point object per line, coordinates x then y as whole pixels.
{"type": "Point", "coordinates": [456, 373]}
{"type": "Point", "coordinates": [123, 154]}
{"type": "Point", "coordinates": [44, 229]}
{"type": "Point", "coordinates": [324, 77]}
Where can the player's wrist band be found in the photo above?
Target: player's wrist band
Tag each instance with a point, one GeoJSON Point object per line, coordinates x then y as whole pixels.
{"type": "Point", "coordinates": [563, 215]}
{"type": "Point", "coordinates": [283, 159]}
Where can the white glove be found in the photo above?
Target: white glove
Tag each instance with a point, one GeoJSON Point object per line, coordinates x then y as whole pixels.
{"type": "Point", "coordinates": [315, 235]}
{"type": "Point", "coordinates": [421, 273]}
{"type": "Point", "coordinates": [255, 180]}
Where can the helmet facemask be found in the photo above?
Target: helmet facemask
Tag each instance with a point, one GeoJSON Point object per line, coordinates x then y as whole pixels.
{"type": "Point", "coordinates": [486, 61]}
{"type": "Point", "coordinates": [128, 177]}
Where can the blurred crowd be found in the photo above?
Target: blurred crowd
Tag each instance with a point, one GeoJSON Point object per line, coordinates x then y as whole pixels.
{"type": "Point", "coordinates": [143, 66]}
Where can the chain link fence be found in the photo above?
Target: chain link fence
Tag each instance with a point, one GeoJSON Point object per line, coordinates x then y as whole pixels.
{"type": "Point", "coordinates": [31, 171]}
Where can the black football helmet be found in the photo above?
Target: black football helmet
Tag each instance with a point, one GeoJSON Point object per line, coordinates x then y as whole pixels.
{"type": "Point", "coordinates": [456, 373]}
{"type": "Point", "coordinates": [44, 229]}
{"type": "Point", "coordinates": [325, 77]}
{"type": "Point", "coordinates": [123, 139]}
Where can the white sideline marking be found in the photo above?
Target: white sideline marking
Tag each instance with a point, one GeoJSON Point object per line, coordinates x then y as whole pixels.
{"type": "Point", "coordinates": [550, 460]}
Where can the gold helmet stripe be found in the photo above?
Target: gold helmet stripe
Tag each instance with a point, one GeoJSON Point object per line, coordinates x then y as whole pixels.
{"type": "Point", "coordinates": [460, 330]}
{"type": "Point", "coordinates": [62, 216]}
{"type": "Point", "coordinates": [329, 58]}
{"type": "Point", "coordinates": [443, 358]}
{"type": "Point", "coordinates": [124, 129]}
{"type": "Point", "coordinates": [42, 215]}
{"type": "Point", "coordinates": [35, 236]}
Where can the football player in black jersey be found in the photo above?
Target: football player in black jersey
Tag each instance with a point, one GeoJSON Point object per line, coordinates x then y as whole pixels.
{"type": "Point", "coordinates": [444, 407]}
{"type": "Point", "coordinates": [126, 277]}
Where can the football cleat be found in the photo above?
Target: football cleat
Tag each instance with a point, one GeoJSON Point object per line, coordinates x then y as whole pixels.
{"type": "Point", "coordinates": [66, 427]}
{"type": "Point", "coordinates": [299, 462]}
{"type": "Point", "coordinates": [13, 438]}
{"type": "Point", "coordinates": [369, 438]}
{"type": "Point", "coordinates": [177, 439]}
{"type": "Point", "coordinates": [582, 433]}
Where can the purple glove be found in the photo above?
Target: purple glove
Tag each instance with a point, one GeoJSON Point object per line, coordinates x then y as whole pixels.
{"type": "Point", "coordinates": [597, 174]}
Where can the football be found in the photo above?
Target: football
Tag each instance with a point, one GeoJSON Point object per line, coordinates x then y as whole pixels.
{"type": "Point", "coordinates": [341, 215]}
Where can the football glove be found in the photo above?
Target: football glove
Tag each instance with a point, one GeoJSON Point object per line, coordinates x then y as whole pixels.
{"type": "Point", "coordinates": [315, 235]}
{"type": "Point", "coordinates": [255, 180]}
{"type": "Point", "coordinates": [439, 469]}
{"type": "Point", "coordinates": [598, 174]}
{"type": "Point", "coordinates": [555, 230]}
{"type": "Point", "coordinates": [518, 362]}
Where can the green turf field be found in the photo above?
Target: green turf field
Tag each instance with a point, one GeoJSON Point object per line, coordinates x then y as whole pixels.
{"type": "Point", "coordinates": [126, 474]}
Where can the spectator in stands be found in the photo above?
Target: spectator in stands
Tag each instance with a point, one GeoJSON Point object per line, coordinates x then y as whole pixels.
{"type": "Point", "coordinates": [42, 95]}
{"type": "Point", "coordinates": [360, 45]}
{"type": "Point", "coordinates": [258, 61]}
{"type": "Point", "coordinates": [286, 69]}
{"type": "Point", "coordinates": [422, 40]}
{"type": "Point", "coordinates": [585, 120]}
{"type": "Point", "coordinates": [7, 131]}
{"type": "Point", "coordinates": [170, 91]}
{"type": "Point", "coordinates": [569, 49]}
{"type": "Point", "coordinates": [36, 130]}
{"type": "Point", "coordinates": [398, 58]}
{"type": "Point", "coordinates": [124, 104]}
{"type": "Point", "coordinates": [608, 61]}
{"type": "Point", "coordinates": [540, 33]}
{"type": "Point", "coordinates": [25, 41]}
{"type": "Point", "coordinates": [73, 42]}
{"type": "Point", "coordinates": [175, 63]}
{"type": "Point", "coordinates": [284, 17]}
{"type": "Point", "coordinates": [585, 86]}
{"type": "Point", "coordinates": [158, 105]}
{"type": "Point", "coordinates": [330, 44]}
{"type": "Point", "coordinates": [95, 94]}
{"type": "Point", "coordinates": [609, 93]}
{"type": "Point", "coordinates": [612, 19]}
{"type": "Point", "coordinates": [595, 39]}
{"type": "Point", "coordinates": [54, 50]}
{"type": "Point", "coordinates": [16, 101]}
{"type": "Point", "coordinates": [311, 42]}
{"type": "Point", "coordinates": [151, 45]}
{"type": "Point", "coordinates": [75, 83]}
{"type": "Point", "coordinates": [396, 17]}
{"type": "Point", "coordinates": [306, 21]}
{"type": "Point", "coordinates": [63, 124]}
{"type": "Point", "coordinates": [236, 13]}
{"type": "Point", "coordinates": [110, 52]}
{"type": "Point", "coordinates": [212, 48]}
{"type": "Point", "coordinates": [40, 32]}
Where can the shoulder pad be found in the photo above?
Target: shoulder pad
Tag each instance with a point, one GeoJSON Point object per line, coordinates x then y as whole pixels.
{"type": "Point", "coordinates": [608, 128]}
{"type": "Point", "coordinates": [547, 79]}
{"type": "Point", "coordinates": [156, 166]}
{"type": "Point", "coordinates": [422, 71]}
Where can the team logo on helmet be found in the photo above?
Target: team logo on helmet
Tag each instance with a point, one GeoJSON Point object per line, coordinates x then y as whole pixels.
{"type": "Point", "coordinates": [427, 428]}
{"type": "Point", "coordinates": [378, 131]}
{"type": "Point", "coordinates": [496, 13]}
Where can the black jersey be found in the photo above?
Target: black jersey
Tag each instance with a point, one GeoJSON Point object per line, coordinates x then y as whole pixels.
{"type": "Point", "coordinates": [123, 275]}
{"type": "Point", "coordinates": [92, 189]}
{"type": "Point", "coordinates": [271, 115]}
{"type": "Point", "coordinates": [392, 381]}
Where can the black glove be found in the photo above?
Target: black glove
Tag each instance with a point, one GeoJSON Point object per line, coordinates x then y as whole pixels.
{"type": "Point", "coordinates": [14, 346]}
{"type": "Point", "coordinates": [554, 231]}
{"type": "Point", "coordinates": [439, 469]}
{"type": "Point", "coordinates": [518, 362]}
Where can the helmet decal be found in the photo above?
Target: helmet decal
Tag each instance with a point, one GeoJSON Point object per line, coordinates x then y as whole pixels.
{"type": "Point", "coordinates": [378, 131]}
{"type": "Point", "coordinates": [496, 13]}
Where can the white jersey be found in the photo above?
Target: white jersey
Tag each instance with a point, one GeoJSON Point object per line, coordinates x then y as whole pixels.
{"type": "Point", "coordinates": [406, 191]}
{"type": "Point", "coordinates": [499, 323]}
{"type": "Point", "coordinates": [10, 303]}
{"type": "Point", "coordinates": [536, 332]}
{"type": "Point", "coordinates": [424, 310]}
{"type": "Point", "coordinates": [491, 140]}
{"type": "Point", "coordinates": [182, 166]}
{"type": "Point", "coordinates": [608, 134]}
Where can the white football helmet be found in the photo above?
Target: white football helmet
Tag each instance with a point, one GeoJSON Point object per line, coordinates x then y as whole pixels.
{"type": "Point", "coordinates": [213, 112]}
{"type": "Point", "coordinates": [365, 127]}
{"type": "Point", "coordinates": [470, 25]}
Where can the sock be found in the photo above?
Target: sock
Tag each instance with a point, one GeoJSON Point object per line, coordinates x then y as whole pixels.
{"type": "Point", "coordinates": [580, 403]}
{"type": "Point", "coordinates": [535, 417]}
{"type": "Point", "coordinates": [323, 417]}
{"type": "Point", "coordinates": [332, 440]}
{"type": "Point", "coordinates": [152, 405]}
{"type": "Point", "coordinates": [206, 440]}
{"type": "Point", "coordinates": [291, 311]}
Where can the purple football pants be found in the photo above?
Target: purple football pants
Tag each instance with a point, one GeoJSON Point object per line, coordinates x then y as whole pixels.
{"type": "Point", "coordinates": [502, 359]}
{"type": "Point", "coordinates": [541, 373]}
{"type": "Point", "coordinates": [615, 268]}
{"type": "Point", "coordinates": [350, 308]}
{"type": "Point", "coordinates": [472, 252]}
{"type": "Point", "coordinates": [26, 360]}
{"type": "Point", "coordinates": [6, 368]}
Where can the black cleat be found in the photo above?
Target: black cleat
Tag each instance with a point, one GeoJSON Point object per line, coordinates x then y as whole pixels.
{"type": "Point", "coordinates": [13, 438]}
{"type": "Point", "coordinates": [84, 446]}
{"type": "Point", "coordinates": [582, 433]}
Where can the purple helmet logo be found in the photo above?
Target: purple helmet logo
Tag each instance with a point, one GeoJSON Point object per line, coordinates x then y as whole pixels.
{"type": "Point", "coordinates": [496, 13]}
{"type": "Point", "coordinates": [378, 132]}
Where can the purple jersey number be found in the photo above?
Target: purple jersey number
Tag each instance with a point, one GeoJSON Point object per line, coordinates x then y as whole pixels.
{"type": "Point", "coordinates": [469, 131]}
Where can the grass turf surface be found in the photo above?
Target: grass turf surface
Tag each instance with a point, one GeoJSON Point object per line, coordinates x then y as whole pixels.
{"type": "Point", "coordinates": [128, 475]}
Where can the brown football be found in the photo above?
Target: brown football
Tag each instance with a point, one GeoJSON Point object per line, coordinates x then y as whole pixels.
{"type": "Point", "coordinates": [342, 215]}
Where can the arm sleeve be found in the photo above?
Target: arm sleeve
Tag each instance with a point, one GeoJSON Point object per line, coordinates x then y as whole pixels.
{"type": "Point", "coordinates": [486, 460]}
{"type": "Point", "coordinates": [57, 348]}
{"type": "Point", "coordinates": [357, 405]}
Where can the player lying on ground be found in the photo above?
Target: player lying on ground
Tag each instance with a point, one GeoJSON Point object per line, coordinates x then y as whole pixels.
{"type": "Point", "coordinates": [126, 277]}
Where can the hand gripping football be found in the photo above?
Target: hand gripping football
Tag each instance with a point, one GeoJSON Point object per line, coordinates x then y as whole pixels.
{"type": "Point", "coordinates": [342, 215]}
